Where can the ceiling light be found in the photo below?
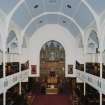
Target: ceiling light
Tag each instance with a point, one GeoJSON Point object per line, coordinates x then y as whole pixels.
{"type": "Point", "coordinates": [36, 6]}
{"type": "Point", "coordinates": [64, 21]}
{"type": "Point", "coordinates": [68, 6]}
{"type": "Point", "coordinates": [40, 21]}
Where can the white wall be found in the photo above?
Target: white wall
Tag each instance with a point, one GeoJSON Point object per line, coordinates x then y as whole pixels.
{"type": "Point", "coordinates": [92, 58]}
{"type": "Point", "coordinates": [57, 33]}
{"type": "Point", "coordinates": [25, 55]}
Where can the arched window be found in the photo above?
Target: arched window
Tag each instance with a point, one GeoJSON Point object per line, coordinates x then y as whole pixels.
{"type": "Point", "coordinates": [93, 43]}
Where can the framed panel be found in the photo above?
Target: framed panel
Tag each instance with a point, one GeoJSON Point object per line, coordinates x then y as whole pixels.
{"type": "Point", "coordinates": [33, 69]}
{"type": "Point", "coordinates": [70, 69]}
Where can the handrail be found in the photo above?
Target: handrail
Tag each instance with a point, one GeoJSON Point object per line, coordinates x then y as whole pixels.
{"type": "Point", "coordinates": [11, 80]}
{"type": "Point", "coordinates": [94, 81]}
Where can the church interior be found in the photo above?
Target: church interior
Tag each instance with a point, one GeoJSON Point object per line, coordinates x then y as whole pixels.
{"type": "Point", "coordinates": [52, 52]}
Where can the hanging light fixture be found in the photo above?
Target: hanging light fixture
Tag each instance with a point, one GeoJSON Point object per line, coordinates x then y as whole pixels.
{"type": "Point", "coordinates": [64, 21]}
{"type": "Point", "coordinates": [68, 6]}
{"type": "Point", "coordinates": [36, 6]}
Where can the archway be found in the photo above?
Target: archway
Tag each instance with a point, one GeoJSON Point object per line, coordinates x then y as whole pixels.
{"type": "Point", "coordinates": [52, 64]}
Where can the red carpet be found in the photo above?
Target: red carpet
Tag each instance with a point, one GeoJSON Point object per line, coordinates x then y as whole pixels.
{"type": "Point", "coordinates": [52, 100]}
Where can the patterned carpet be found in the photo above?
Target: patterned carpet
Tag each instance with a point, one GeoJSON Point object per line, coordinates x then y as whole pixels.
{"type": "Point", "coordinates": [52, 100]}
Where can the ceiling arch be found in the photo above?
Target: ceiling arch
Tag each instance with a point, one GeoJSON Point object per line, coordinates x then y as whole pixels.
{"type": "Point", "coordinates": [54, 19]}
{"type": "Point", "coordinates": [52, 13]}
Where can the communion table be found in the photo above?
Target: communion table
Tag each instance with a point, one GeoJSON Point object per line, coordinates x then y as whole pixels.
{"type": "Point", "coordinates": [52, 85]}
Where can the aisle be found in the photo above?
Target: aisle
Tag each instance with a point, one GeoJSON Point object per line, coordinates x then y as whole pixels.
{"type": "Point", "coordinates": [52, 100]}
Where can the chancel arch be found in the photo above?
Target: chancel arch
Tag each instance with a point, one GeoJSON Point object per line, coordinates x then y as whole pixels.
{"type": "Point", "coordinates": [52, 59]}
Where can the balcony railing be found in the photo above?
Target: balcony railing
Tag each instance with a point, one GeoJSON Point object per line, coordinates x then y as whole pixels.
{"type": "Point", "coordinates": [11, 80]}
{"type": "Point", "coordinates": [92, 80]}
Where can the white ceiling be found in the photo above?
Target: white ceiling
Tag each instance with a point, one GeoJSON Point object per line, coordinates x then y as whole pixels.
{"type": "Point", "coordinates": [75, 9]}
{"type": "Point", "coordinates": [53, 19]}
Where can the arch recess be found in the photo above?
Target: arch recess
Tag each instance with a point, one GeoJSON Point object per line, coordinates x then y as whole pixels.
{"type": "Point", "coordinates": [93, 42]}
{"type": "Point", "coordinates": [12, 40]}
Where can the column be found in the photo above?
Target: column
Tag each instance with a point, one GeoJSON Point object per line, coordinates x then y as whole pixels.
{"type": "Point", "coordinates": [100, 98]}
{"type": "Point", "coordinates": [84, 88]}
{"type": "Point", "coordinates": [4, 98]}
{"type": "Point", "coordinates": [101, 65]}
{"type": "Point", "coordinates": [101, 59]}
{"type": "Point", "coordinates": [4, 61]}
{"type": "Point", "coordinates": [84, 69]}
{"type": "Point", "coordinates": [84, 72]}
{"type": "Point", "coordinates": [4, 75]}
{"type": "Point", "coordinates": [101, 75]}
{"type": "Point", "coordinates": [20, 85]}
